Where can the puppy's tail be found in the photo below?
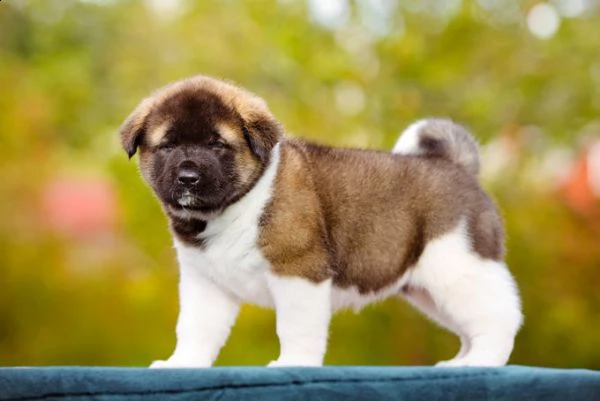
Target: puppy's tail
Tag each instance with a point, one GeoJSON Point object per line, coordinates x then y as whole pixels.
{"type": "Point", "coordinates": [439, 137]}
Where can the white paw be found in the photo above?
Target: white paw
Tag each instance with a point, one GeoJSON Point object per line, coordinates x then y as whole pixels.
{"type": "Point", "coordinates": [159, 364]}
{"type": "Point", "coordinates": [452, 363]}
{"type": "Point", "coordinates": [173, 364]}
{"type": "Point", "coordinates": [276, 364]}
{"type": "Point", "coordinates": [283, 362]}
{"type": "Point", "coordinates": [468, 361]}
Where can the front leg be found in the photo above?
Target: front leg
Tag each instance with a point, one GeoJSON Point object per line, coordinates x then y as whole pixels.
{"type": "Point", "coordinates": [303, 310]}
{"type": "Point", "coordinates": [205, 318]}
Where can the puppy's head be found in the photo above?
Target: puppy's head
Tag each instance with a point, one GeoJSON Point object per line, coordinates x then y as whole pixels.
{"type": "Point", "coordinates": [203, 144]}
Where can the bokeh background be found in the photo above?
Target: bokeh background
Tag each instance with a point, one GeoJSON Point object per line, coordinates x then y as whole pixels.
{"type": "Point", "coordinates": [87, 270]}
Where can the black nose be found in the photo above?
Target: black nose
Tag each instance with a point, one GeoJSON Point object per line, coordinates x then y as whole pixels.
{"type": "Point", "coordinates": [188, 174]}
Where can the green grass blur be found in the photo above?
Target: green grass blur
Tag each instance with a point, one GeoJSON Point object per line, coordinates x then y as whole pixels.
{"type": "Point", "coordinates": [100, 289]}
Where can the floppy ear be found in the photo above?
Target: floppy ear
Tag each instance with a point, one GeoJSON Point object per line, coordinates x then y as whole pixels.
{"type": "Point", "coordinates": [261, 130]}
{"type": "Point", "coordinates": [133, 129]}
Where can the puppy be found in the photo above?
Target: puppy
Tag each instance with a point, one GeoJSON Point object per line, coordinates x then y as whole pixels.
{"type": "Point", "coordinates": [308, 229]}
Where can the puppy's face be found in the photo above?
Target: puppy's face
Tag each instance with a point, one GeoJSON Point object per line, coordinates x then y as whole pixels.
{"type": "Point", "coordinates": [203, 144]}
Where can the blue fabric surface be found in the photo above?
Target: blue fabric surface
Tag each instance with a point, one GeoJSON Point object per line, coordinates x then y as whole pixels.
{"type": "Point", "coordinates": [329, 383]}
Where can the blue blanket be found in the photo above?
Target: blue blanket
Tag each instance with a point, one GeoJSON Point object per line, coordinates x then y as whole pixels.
{"type": "Point", "coordinates": [329, 383]}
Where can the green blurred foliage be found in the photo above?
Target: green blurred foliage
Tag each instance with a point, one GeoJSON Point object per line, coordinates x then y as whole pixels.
{"type": "Point", "coordinates": [71, 71]}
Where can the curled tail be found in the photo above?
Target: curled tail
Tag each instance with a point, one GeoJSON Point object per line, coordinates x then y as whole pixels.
{"type": "Point", "coordinates": [439, 137]}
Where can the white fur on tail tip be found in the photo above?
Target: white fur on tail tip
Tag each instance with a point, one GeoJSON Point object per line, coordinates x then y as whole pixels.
{"type": "Point", "coordinates": [408, 143]}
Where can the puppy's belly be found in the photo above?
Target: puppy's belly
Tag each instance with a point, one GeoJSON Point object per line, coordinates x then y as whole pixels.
{"type": "Point", "coordinates": [351, 298]}
{"type": "Point", "coordinates": [241, 271]}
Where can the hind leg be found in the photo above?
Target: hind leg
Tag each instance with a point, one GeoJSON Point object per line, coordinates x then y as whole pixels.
{"type": "Point", "coordinates": [422, 301]}
{"type": "Point", "coordinates": [473, 297]}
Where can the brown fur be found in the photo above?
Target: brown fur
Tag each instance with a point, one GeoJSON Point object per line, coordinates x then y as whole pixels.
{"type": "Point", "coordinates": [360, 217]}
{"type": "Point", "coordinates": [373, 211]}
{"type": "Point", "coordinates": [294, 236]}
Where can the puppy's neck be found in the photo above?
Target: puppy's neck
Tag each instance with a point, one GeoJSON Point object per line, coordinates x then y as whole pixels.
{"type": "Point", "coordinates": [188, 231]}
{"type": "Point", "coordinates": [190, 214]}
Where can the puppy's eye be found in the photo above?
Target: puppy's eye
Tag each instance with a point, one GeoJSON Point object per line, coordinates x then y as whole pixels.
{"type": "Point", "coordinates": [218, 144]}
{"type": "Point", "coordinates": [167, 147]}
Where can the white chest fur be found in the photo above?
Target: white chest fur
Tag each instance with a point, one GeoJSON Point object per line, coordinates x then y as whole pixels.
{"type": "Point", "coordinates": [230, 256]}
